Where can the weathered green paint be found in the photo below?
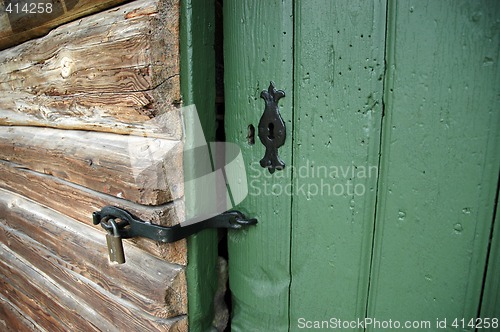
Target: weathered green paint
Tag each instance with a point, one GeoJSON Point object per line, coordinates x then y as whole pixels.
{"type": "Point", "coordinates": [414, 244]}
{"type": "Point", "coordinates": [440, 160]}
{"type": "Point", "coordinates": [258, 48]}
{"type": "Point", "coordinates": [198, 87]}
{"type": "Point", "coordinates": [339, 65]}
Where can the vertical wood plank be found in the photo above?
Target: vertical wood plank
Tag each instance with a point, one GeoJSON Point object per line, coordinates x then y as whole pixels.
{"type": "Point", "coordinates": [197, 26]}
{"type": "Point", "coordinates": [339, 55]}
{"type": "Point", "coordinates": [440, 160]}
{"type": "Point", "coordinates": [258, 48]}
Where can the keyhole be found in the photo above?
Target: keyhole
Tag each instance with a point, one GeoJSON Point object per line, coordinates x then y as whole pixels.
{"type": "Point", "coordinates": [270, 127]}
{"type": "Point", "coordinates": [251, 135]}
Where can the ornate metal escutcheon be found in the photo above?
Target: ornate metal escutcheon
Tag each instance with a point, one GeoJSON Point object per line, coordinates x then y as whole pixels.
{"type": "Point", "coordinates": [272, 130]}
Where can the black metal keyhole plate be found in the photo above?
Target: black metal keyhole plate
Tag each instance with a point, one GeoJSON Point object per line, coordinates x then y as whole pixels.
{"type": "Point", "coordinates": [272, 130]}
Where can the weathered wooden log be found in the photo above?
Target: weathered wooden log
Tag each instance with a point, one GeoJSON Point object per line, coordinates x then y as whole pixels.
{"type": "Point", "coordinates": [13, 320]}
{"type": "Point", "coordinates": [55, 310]}
{"type": "Point", "coordinates": [137, 292]}
{"type": "Point", "coordinates": [18, 25]}
{"type": "Point", "coordinates": [21, 285]}
{"type": "Point", "coordinates": [138, 284]}
{"type": "Point", "coordinates": [118, 165]}
{"type": "Point", "coordinates": [78, 202]}
{"type": "Point", "coordinates": [112, 71]}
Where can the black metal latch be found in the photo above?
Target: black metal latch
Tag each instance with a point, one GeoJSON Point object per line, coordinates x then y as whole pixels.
{"type": "Point", "coordinates": [121, 224]}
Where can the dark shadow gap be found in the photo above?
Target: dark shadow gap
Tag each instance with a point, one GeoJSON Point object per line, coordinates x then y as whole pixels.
{"type": "Point", "coordinates": [388, 53]}
{"type": "Point", "coordinates": [488, 251]}
{"type": "Point", "coordinates": [220, 134]}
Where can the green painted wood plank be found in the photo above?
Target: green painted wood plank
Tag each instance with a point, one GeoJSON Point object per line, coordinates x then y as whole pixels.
{"type": "Point", "coordinates": [257, 49]}
{"type": "Point", "coordinates": [440, 160]}
{"type": "Point", "coordinates": [339, 66]}
{"type": "Point", "coordinates": [490, 306]}
{"type": "Point", "coordinates": [198, 87]}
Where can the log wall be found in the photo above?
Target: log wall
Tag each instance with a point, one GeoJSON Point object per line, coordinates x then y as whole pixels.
{"type": "Point", "coordinates": [74, 104]}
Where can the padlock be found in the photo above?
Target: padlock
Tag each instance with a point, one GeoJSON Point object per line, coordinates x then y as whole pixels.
{"type": "Point", "coordinates": [115, 245]}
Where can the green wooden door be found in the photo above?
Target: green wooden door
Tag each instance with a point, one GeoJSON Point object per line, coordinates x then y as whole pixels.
{"type": "Point", "coordinates": [440, 160]}
{"type": "Point", "coordinates": [386, 205]}
{"type": "Point", "coordinates": [339, 63]}
{"type": "Point", "coordinates": [258, 47]}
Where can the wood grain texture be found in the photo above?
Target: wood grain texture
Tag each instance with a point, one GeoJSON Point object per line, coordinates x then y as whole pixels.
{"type": "Point", "coordinates": [440, 160]}
{"type": "Point", "coordinates": [339, 65]}
{"type": "Point", "coordinates": [78, 202]}
{"type": "Point", "coordinates": [139, 294]}
{"type": "Point", "coordinates": [16, 29]}
{"type": "Point", "coordinates": [258, 48]}
{"type": "Point", "coordinates": [13, 320]}
{"type": "Point", "coordinates": [56, 310]}
{"type": "Point", "coordinates": [112, 71]}
{"type": "Point", "coordinates": [39, 298]}
{"type": "Point", "coordinates": [118, 165]}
